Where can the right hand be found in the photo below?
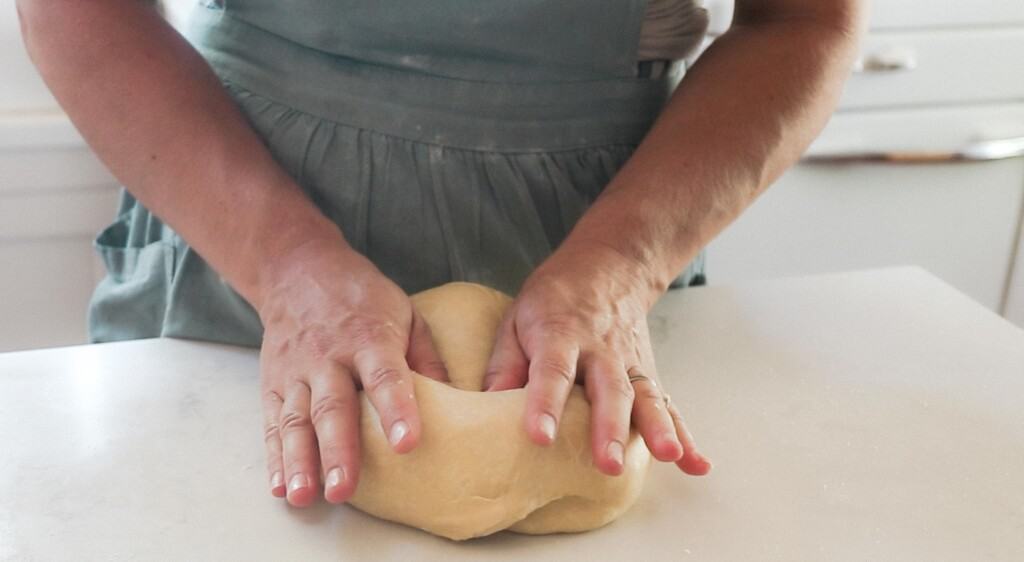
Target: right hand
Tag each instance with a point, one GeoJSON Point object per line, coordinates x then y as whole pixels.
{"type": "Point", "coordinates": [334, 323]}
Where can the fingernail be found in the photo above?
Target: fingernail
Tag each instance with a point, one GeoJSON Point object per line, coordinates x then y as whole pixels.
{"type": "Point", "coordinates": [615, 452]}
{"type": "Point", "coordinates": [398, 431]}
{"type": "Point", "coordinates": [298, 482]}
{"type": "Point", "coordinates": [546, 423]}
{"type": "Point", "coordinates": [334, 477]}
{"type": "Point", "coordinates": [276, 480]}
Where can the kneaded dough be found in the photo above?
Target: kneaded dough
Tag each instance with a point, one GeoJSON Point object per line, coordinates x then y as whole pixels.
{"type": "Point", "coordinates": [475, 472]}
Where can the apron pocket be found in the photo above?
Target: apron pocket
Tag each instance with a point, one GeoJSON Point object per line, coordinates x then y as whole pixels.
{"type": "Point", "coordinates": [130, 303]}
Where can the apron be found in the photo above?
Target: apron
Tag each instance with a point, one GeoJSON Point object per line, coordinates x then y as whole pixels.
{"type": "Point", "coordinates": [456, 140]}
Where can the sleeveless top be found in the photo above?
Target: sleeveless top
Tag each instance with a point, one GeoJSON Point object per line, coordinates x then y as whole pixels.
{"type": "Point", "coordinates": [671, 29]}
{"type": "Point", "coordinates": [444, 145]}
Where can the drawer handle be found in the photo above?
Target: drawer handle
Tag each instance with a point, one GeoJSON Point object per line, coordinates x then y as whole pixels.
{"type": "Point", "coordinates": [981, 151]}
{"type": "Point", "coordinates": [895, 60]}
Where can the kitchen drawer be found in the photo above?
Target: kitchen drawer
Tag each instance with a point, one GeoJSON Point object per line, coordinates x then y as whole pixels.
{"type": "Point", "coordinates": [958, 221]}
{"type": "Point", "coordinates": [57, 214]}
{"type": "Point", "coordinates": [839, 211]}
{"type": "Point", "coordinates": [909, 14]}
{"type": "Point", "coordinates": [34, 170]}
{"type": "Point", "coordinates": [55, 195]}
{"type": "Point", "coordinates": [926, 131]}
{"type": "Point", "coordinates": [902, 14]}
{"type": "Point", "coordinates": [937, 67]}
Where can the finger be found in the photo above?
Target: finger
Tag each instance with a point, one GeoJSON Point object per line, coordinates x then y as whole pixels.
{"type": "Point", "coordinates": [272, 403]}
{"type": "Point", "coordinates": [334, 411]}
{"type": "Point", "coordinates": [552, 374]}
{"type": "Point", "coordinates": [422, 355]}
{"type": "Point", "coordinates": [692, 461]}
{"type": "Point", "coordinates": [508, 366]}
{"type": "Point", "coordinates": [611, 401]}
{"type": "Point", "coordinates": [388, 384]}
{"type": "Point", "coordinates": [652, 428]}
{"type": "Point", "coordinates": [301, 459]}
{"type": "Point", "coordinates": [653, 420]}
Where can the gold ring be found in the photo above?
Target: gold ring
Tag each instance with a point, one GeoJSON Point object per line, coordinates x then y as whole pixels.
{"type": "Point", "coordinates": [635, 376]}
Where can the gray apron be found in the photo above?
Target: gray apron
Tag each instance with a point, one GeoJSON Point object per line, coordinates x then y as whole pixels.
{"type": "Point", "coordinates": [449, 140]}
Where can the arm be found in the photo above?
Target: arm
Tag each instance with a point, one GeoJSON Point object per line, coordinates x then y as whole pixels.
{"type": "Point", "coordinates": [158, 117]}
{"type": "Point", "coordinates": [154, 112]}
{"type": "Point", "coordinates": [744, 114]}
{"type": "Point", "coordinates": [740, 117]}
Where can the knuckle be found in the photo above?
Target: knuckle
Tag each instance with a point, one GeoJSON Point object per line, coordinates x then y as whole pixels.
{"type": "Point", "coordinates": [383, 377]}
{"type": "Point", "coordinates": [294, 421]}
{"type": "Point", "coordinates": [363, 330]}
{"type": "Point", "coordinates": [555, 327]}
{"type": "Point", "coordinates": [621, 386]}
{"type": "Point", "coordinates": [647, 393]}
{"type": "Point", "coordinates": [558, 325]}
{"type": "Point", "coordinates": [272, 397]}
{"type": "Point", "coordinates": [674, 413]}
{"type": "Point", "coordinates": [558, 370]}
{"type": "Point", "coordinates": [271, 432]}
{"type": "Point", "coordinates": [300, 463]}
{"type": "Point", "coordinates": [327, 406]}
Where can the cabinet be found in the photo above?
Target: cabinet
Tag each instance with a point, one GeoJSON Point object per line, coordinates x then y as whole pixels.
{"type": "Point", "coordinates": [1014, 308]}
{"type": "Point", "coordinates": [921, 164]}
{"type": "Point", "coordinates": [54, 196]}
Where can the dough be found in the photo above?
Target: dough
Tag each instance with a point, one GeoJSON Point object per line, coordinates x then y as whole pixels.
{"type": "Point", "coordinates": [475, 472]}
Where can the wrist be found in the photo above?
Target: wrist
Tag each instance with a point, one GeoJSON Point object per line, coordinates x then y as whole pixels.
{"type": "Point", "coordinates": [288, 237]}
{"type": "Point", "coordinates": [607, 267]}
{"type": "Point", "coordinates": [304, 261]}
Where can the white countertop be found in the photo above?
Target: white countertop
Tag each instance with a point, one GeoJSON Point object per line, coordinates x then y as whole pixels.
{"type": "Point", "coordinates": [865, 416]}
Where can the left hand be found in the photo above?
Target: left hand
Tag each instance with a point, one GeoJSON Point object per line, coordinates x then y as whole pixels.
{"type": "Point", "coordinates": [582, 317]}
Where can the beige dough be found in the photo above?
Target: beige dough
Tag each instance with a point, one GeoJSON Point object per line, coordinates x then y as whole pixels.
{"type": "Point", "coordinates": [475, 472]}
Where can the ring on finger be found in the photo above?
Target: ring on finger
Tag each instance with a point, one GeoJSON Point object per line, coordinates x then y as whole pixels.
{"type": "Point", "coordinates": [636, 376]}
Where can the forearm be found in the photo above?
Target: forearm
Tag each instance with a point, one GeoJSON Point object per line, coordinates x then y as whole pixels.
{"type": "Point", "coordinates": [741, 116]}
{"type": "Point", "coordinates": [158, 117]}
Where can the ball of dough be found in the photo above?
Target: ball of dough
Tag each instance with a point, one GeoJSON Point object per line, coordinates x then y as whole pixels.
{"type": "Point", "coordinates": [475, 472]}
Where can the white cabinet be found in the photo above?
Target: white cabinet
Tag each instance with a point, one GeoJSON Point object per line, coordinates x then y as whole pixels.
{"type": "Point", "coordinates": [910, 14]}
{"type": "Point", "coordinates": [930, 67]}
{"type": "Point", "coordinates": [21, 88]}
{"type": "Point", "coordinates": [54, 196]}
{"type": "Point", "coordinates": [891, 179]}
{"type": "Point", "coordinates": [1014, 309]}
{"type": "Point", "coordinates": [918, 14]}
{"type": "Point", "coordinates": [959, 221]}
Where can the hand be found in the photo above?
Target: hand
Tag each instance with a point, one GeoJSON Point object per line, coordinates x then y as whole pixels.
{"type": "Point", "coordinates": [582, 317]}
{"type": "Point", "coordinates": [334, 323]}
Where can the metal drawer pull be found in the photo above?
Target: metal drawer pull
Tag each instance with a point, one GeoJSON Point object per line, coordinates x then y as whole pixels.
{"type": "Point", "coordinates": [981, 151]}
{"type": "Point", "coordinates": [893, 60]}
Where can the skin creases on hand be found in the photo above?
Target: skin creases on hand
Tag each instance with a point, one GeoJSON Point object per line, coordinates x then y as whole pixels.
{"type": "Point", "coordinates": [360, 331]}
{"type": "Point", "coordinates": [565, 328]}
